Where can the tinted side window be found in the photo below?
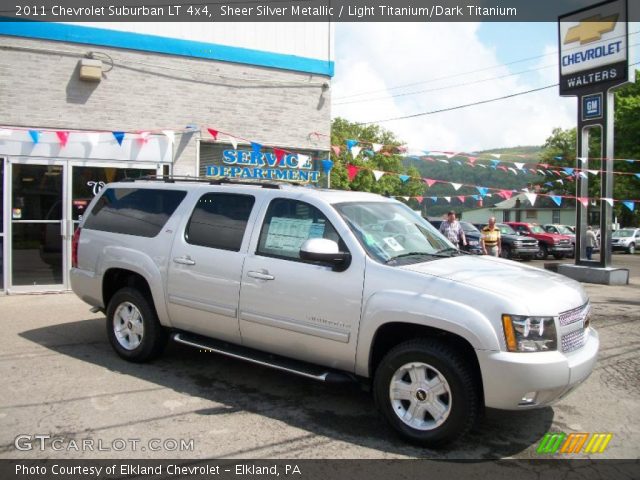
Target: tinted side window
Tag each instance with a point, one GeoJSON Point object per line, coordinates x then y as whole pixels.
{"type": "Point", "coordinates": [288, 224]}
{"type": "Point", "coordinates": [219, 220]}
{"type": "Point", "coordinates": [134, 211]}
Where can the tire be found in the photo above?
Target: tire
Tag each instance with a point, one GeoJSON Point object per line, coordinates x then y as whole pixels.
{"type": "Point", "coordinates": [526, 258]}
{"type": "Point", "coordinates": [558, 256]}
{"type": "Point", "coordinates": [133, 327]}
{"type": "Point", "coordinates": [631, 249]}
{"type": "Point", "coordinates": [542, 253]}
{"type": "Point", "coordinates": [456, 407]}
{"type": "Point", "coordinates": [506, 252]}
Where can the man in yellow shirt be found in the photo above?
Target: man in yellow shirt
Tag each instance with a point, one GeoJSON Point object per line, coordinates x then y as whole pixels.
{"type": "Point", "coordinates": [490, 239]}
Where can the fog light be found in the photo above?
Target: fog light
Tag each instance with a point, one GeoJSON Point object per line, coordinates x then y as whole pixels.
{"type": "Point", "coordinates": [529, 398]}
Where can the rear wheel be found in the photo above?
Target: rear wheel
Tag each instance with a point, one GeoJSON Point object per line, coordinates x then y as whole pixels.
{"type": "Point", "coordinates": [426, 392]}
{"type": "Point", "coordinates": [631, 249]}
{"type": "Point", "coordinates": [133, 327]}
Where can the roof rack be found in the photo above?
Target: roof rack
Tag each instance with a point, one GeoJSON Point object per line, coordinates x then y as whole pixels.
{"type": "Point", "coordinates": [210, 181]}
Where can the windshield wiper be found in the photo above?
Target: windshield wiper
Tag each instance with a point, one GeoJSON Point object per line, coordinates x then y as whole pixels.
{"type": "Point", "coordinates": [412, 254]}
{"type": "Point", "coordinates": [452, 250]}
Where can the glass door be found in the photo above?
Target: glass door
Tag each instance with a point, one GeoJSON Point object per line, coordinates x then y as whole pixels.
{"type": "Point", "coordinates": [37, 254]}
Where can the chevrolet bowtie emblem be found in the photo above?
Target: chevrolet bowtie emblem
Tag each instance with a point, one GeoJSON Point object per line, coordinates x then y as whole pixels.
{"type": "Point", "coordinates": [591, 29]}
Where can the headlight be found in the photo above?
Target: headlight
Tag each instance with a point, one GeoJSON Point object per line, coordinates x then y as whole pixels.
{"type": "Point", "coordinates": [529, 334]}
{"type": "Point", "coordinates": [473, 242]}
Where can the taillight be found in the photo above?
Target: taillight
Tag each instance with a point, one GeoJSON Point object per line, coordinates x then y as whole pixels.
{"type": "Point", "coordinates": [74, 247]}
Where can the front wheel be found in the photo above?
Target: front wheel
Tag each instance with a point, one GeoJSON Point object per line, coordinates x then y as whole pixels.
{"type": "Point", "coordinates": [558, 256]}
{"type": "Point", "coordinates": [542, 253]}
{"type": "Point", "coordinates": [631, 249]}
{"type": "Point", "coordinates": [506, 252]}
{"type": "Point", "coordinates": [133, 327]}
{"type": "Point", "coordinates": [426, 392]}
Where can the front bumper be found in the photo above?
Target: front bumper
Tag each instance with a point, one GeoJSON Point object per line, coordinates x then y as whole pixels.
{"type": "Point", "coordinates": [526, 251]}
{"type": "Point", "coordinates": [619, 246]}
{"type": "Point", "coordinates": [560, 249]}
{"type": "Point", "coordinates": [508, 377]}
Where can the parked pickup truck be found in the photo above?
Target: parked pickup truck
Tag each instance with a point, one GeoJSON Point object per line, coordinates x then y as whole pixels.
{"type": "Point", "coordinates": [514, 245]}
{"type": "Point", "coordinates": [559, 246]}
{"type": "Point", "coordinates": [334, 286]}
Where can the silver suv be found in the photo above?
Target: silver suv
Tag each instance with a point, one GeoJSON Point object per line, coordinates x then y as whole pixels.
{"type": "Point", "coordinates": [334, 286]}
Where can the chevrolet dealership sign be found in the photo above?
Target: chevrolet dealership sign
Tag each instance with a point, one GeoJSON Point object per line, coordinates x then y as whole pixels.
{"type": "Point", "coordinates": [593, 48]}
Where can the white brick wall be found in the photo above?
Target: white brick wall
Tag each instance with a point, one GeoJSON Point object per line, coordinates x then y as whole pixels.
{"type": "Point", "coordinates": [146, 91]}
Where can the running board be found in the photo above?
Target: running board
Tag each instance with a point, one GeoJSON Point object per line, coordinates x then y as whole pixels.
{"type": "Point", "coordinates": [304, 369]}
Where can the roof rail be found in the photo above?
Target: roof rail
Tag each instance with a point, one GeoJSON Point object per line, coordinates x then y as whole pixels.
{"type": "Point", "coordinates": [210, 181]}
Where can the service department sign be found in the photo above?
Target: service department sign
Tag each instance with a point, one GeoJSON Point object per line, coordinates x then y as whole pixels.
{"type": "Point", "coordinates": [593, 48]}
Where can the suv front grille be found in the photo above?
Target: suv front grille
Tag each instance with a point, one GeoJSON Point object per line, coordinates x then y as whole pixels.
{"type": "Point", "coordinates": [573, 341]}
{"type": "Point", "coordinates": [575, 315]}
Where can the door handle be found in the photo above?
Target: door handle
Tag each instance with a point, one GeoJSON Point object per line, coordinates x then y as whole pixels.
{"type": "Point", "coordinates": [186, 260]}
{"type": "Point", "coordinates": [260, 275]}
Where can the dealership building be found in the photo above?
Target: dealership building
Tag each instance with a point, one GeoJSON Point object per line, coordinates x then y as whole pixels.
{"type": "Point", "coordinates": [84, 104]}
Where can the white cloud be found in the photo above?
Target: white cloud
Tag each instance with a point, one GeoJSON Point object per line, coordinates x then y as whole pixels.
{"type": "Point", "coordinates": [374, 58]}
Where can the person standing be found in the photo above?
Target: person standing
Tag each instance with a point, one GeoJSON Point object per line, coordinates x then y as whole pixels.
{"type": "Point", "coordinates": [452, 229]}
{"type": "Point", "coordinates": [490, 239]}
{"type": "Point", "coordinates": [592, 242]}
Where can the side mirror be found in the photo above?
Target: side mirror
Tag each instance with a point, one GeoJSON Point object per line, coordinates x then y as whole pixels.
{"type": "Point", "coordinates": [326, 251]}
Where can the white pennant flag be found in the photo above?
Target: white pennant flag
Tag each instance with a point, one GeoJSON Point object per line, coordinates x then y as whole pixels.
{"type": "Point", "coordinates": [582, 159]}
{"type": "Point", "coordinates": [541, 172]}
{"type": "Point", "coordinates": [496, 155]}
{"type": "Point", "coordinates": [583, 175]}
{"type": "Point", "coordinates": [443, 160]}
{"type": "Point", "coordinates": [302, 160]}
{"type": "Point", "coordinates": [93, 138]}
{"type": "Point", "coordinates": [608, 200]}
{"type": "Point", "coordinates": [406, 199]}
{"type": "Point", "coordinates": [560, 182]}
{"type": "Point", "coordinates": [449, 155]}
{"type": "Point", "coordinates": [233, 141]}
{"type": "Point", "coordinates": [355, 151]}
{"type": "Point", "coordinates": [376, 147]}
{"type": "Point", "coordinates": [593, 172]}
{"type": "Point", "coordinates": [4, 132]}
{"type": "Point", "coordinates": [482, 165]}
{"type": "Point", "coordinates": [456, 186]}
{"type": "Point", "coordinates": [378, 174]}
{"type": "Point", "coordinates": [531, 197]}
{"type": "Point", "coordinates": [518, 165]}
{"type": "Point", "coordinates": [170, 134]}
{"type": "Point", "coordinates": [513, 170]}
{"type": "Point", "coordinates": [448, 199]}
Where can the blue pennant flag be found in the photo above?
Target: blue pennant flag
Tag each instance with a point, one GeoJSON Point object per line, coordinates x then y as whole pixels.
{"type": "Point", "coordinates": [256, 147]}
{"type": "Point", "coordinates": [458, 162]}
{"type": "Point", "coordinates": [630, 161]}
{"type": "Point", "coordinates": [475, 197]}
{"type": "Point", "coordinates": [630, 205]}
{"type": "Point", "coordinates": [494, 163]}
{"type": "Point", "coordinates": [556, 199]}
{"type": "Point", "coordinates": [568, 170]}
{"type": "Point", "coordinates": [483, 190]}
{"type": "Point", "coordinates": [550, 184]}
{"type": "Point", "coordinates": [435, 199]}
{"type": "Point", "coordinates": [426, 152]}
{"type": "Point", "coordinates": [404, 178]}
{"type": "Point", "coordinates": [351, 143]}
{"type": "Point", "coordinates": [327, 165]}
{"type": "Point", "coordinates": [559, 157]}
{"type": "Point", "coordinates": [638, 175]}
{"type": "Point", "coordinates": [369, 153]}
{"type": "Point", "coordinates": [119, 136]}
{"type": "Point", "coordinates": [35, 135]}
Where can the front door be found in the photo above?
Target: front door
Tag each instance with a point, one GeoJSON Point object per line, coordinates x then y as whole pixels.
{"type": "Point", "coordinates": [297, 308]}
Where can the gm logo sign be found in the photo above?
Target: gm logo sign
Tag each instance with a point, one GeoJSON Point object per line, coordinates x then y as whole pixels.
{"type": "Point", "coordinates": [592, 107]}
{"type": "Point", "coordinates": [560, 442]}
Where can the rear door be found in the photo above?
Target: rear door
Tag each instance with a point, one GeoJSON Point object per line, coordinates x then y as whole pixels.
{"type": "Point", "coordinates": [206, 264]}
{"type": "Point", "coordinates": [297, 308]}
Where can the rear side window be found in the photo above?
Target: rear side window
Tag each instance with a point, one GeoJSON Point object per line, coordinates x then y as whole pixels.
{"type": "Point", "coordinates": [134, 211]}
{"type": "Point", "coordinates": [219, 220]}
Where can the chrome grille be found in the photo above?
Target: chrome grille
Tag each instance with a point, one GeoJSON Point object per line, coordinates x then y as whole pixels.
{"type": "Point", "coordinates": [575, 315]}
{"type": "Point", "coordinates": [573, 341]}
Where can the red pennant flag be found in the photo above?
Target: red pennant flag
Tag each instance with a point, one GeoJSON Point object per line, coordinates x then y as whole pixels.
{"type": "Point", "coordinates": [419, 199]}
{"type": "Point", "coordinates": [584, 201]}
{"type": "Point", "coordinates": [336, 149]}
{"type": "Point", "coordinates": [214, 133]}
{"type": "Point", "coordinates": [430, 159]}
{"type": "Point", "coordinates": [429, 181]}
{"type": "Point", "coordinates": [279, 154]}
{"type": "Point", "coordinates": [352, 171]}
{"type": "Point", "coordinates": [502, 167]}
{"type": "Point", "coordinates": [506, 194]}
{"type": "Point", "coordinates": [472, 160]}
{"type": "Point", "coordinates": [544, 165]}
{"type": "Point", "coordinates": [63, 137]}
{"type": "Point", "coordinates": [461, 198]}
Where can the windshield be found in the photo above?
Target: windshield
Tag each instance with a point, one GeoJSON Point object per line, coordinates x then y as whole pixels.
{"type": "Point", "coordinates": [564, 230]}
{"type": "Point", "coordinates": [468, 227]}
{"type": "Point", "coordinates": [388, 231]}
{"type": "Point", "coordinates": [537, 229]}
{"type": "Point", "coordinates": [506, 229]}
{"type": "Point", "coordinates": [625, 232]}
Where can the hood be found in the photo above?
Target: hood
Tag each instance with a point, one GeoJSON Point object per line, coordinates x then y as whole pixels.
{"type": "Point", "coordinates": [508, 236]}
{"type": "Point", "coordinates": [538, 292]}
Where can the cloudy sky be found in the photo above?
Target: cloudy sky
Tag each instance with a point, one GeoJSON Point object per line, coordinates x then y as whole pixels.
{"type": "Point", "coordinates": [380, 67]}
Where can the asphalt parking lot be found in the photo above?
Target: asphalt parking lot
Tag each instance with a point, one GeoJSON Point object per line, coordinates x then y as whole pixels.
{"type": "Point", "coordinates": [61, 378]}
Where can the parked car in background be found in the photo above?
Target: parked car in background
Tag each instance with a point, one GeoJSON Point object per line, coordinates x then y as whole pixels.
{"type": "Point", "coordinates": [549, 243]}
{"type": "Point", "coordinates": [562, 230]}
{"type": "Point", "coordinates": [514, 246]}
{"type": "Point", "coordinates": [470, 232]}
{"type": "Point", "coordinates": [625, 239]}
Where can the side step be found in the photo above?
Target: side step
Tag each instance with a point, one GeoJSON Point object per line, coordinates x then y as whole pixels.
{"type": "Point", "coordinates": [304, 369]}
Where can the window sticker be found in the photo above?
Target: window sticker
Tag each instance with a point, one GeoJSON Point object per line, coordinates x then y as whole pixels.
{"type": "Point", "coordinates": [393, 244]}
{"type": "Point", "coordinates": [316, 230]}
{"type": "Point", "coordinates": [288, 234]}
